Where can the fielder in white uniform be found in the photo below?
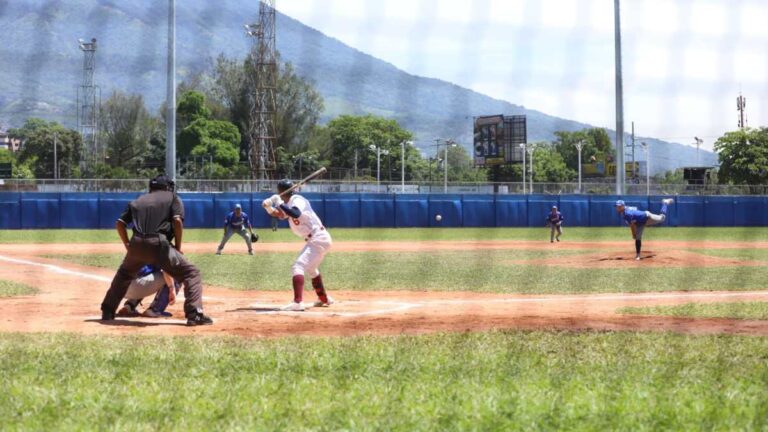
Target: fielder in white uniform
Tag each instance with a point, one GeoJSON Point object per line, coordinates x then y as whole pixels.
{"type": "Point", "coordinates": [305, 223]}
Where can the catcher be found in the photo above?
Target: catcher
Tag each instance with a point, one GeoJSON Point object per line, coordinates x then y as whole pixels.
{"type": "Point", "coordinates": [306, 224]}
{"type": "Point", "coordinates": [236, 222]}
{"type": "Point", "coordinates": [150, 280]}
{"type": "Point", "coordinates": [554, 221]}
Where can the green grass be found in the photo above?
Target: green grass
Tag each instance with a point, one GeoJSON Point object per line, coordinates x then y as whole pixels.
{"type": "Point", "coordinates": [486, 381]}
{"type": "Point", "coordinates": [741, 254]}
{"type": "Point", "coordinates": [480, 271]}
{"type": "Point", "coordinates": [737, 310]}
{"type": "Point", "coordinates": [10, 289]}
{"type": "Point", "coordinates": [408, 234]}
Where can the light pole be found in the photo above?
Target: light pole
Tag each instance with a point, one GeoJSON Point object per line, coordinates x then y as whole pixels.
{"type": "Point", "coordinates": [699, 141]}
{"type": "Point", "coordinates": [647, 149]}
{"type": "Point", "coordinates": [448, 143]}
{"type": "Point", "coordinates": [531, 149]}
{"type": "Point", "coordinates": [579, 146]}
{"type": "Point", "coordinates": [379, 152]}
{"type": "Point", "coordinates": [525, 167]}
{"type": "Point", "coordinates": [55, 156]}
{"type": "Point", "coordinates": [402, 164]}
{"type": "Point", "coordinates": [170, 119]}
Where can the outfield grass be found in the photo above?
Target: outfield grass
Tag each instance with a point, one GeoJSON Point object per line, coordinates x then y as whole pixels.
{"type": "Point", "coordinates": [409, 234]}
{"type": "Point", "coordinates": [480, 271]}
{"type": "Point", "coordinates": [737, 310]}
{"type": "Point", "coordinates": [742, 254]}
{"type": "Point", "coordinates": [488, 381]}
{"type": "Point", "coordinates": [10, 289]}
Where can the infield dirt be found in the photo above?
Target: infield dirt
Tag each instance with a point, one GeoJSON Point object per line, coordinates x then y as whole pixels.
{"type": "Point", "coordinates": [70, 295]}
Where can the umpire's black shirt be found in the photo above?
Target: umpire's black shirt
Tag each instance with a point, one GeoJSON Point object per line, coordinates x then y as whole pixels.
{"type": "Point", "coordinates": [153, 213]}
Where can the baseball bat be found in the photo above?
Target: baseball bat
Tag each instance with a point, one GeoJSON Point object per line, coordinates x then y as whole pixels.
{"type": "Point", "coordinates": [306, 179]}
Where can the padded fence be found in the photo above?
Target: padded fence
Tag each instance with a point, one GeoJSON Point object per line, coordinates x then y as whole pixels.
{"type": "Point", "coordinates": [34, 210]}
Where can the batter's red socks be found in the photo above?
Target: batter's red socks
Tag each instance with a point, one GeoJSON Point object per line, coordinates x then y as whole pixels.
{"type": "Point", "coordinates": [317, 284]}
{"type": "Point", "coordinates": [298, 288]}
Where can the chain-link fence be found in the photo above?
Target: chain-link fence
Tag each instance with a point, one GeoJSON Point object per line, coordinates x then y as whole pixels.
{"type": "Point", "coordinates": [322, 186]}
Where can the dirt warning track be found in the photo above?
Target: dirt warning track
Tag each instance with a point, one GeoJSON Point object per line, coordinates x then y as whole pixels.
{"type": "Point", "coordinates": [69, 297]}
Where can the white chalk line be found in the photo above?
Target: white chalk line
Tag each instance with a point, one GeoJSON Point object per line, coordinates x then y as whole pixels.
{"type": "Point", "coordinates": [401, 307]}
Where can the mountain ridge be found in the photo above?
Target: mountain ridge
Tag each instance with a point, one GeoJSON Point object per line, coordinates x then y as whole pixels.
{"type": "Point", "coordinates": [131, 57]}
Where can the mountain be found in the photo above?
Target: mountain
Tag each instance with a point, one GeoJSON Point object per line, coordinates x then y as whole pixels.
{"type": "Point", "coordinates": [43, 67]}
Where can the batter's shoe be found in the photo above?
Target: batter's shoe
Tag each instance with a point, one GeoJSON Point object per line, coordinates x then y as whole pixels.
{"type": "Point", "coordinates": [667, 201]}
{"type": "Point", "coordinates": [321, 303]}
{"type": "Point", "coordinates": [198, 318]}
{"type": "Point", "coordinates": [293, 307]}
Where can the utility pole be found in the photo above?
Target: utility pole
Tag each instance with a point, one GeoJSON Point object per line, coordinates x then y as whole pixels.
{"type": "Point", "coordinates": [579, 146]}
{"type": "Point", "coordinates": [525, 166]}
{"type": "Point", "coordinates": [699, 141]}
{"type": "Point", "coordinates": [619, 101]}
{"type": "Point", "coordinates": [647, 149]}
{"type": "Point", "coordinates": [634, 174]}
{"type": "Point", "coordinates": [170, 118]}
{"type": "Point", "coordinates": [55, 157]}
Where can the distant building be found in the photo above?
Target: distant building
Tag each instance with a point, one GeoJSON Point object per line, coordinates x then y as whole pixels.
{"type": "Point", "coordinates": [9, 143]}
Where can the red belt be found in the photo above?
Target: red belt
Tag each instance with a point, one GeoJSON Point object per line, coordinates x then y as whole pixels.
{"type": "Point", "coordinates": [309, 236]}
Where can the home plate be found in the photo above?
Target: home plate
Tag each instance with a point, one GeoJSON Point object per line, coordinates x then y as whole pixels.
{"type": "Point", "coordinates": [142, 320]}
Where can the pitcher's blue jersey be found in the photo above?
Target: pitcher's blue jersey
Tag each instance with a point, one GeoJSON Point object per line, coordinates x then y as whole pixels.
{"type": "Point", "coordinates": [633, 214]}
{"type": "Point", "coordinates": [237, 222]}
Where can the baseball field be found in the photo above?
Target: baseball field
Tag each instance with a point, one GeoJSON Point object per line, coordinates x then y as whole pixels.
{"type": "Point", "coordinates": [433, 329]}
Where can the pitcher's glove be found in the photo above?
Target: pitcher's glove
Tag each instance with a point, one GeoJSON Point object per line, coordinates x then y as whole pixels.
{"type": "Point", "coordinates": [254, 237]}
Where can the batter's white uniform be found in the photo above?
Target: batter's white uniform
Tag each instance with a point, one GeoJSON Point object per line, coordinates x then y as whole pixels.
{"type": "Point", "coordinates": [309, 227]}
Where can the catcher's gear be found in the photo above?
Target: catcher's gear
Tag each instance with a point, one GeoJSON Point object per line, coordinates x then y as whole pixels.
{"type": "Point", "coordinates": [254, 237]}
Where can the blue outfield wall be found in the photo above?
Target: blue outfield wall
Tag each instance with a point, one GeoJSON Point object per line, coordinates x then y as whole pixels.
{"type": "Point", "coordinates": [32, 210]}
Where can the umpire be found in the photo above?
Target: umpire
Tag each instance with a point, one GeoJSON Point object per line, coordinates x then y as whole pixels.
{"type": "Point", "coordinates": [156, 216]}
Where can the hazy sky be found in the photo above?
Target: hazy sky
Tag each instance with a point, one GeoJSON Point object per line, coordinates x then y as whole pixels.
{"type": "Point", "coordinates": [685, 61]}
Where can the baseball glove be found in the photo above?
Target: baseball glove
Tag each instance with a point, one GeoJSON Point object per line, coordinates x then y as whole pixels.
{"type": "Point", "coordinates": [254, 237]}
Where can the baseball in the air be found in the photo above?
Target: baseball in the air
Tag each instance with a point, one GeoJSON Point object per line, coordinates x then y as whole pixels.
{"type": "Point", "coordinates": [438, 218]}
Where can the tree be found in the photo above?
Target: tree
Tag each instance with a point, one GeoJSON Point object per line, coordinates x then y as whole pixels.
{"type": "Point", "coordinates": [19, 170]}
{"type": "Point", "coordinates": [127, 128]}
{"type": "Point", "coordinates": [549, 165]}
{"type": "Point", "coordinates": [38, 153]}
{"type": "Point", "coordinates": [352, 137]}
{"type": "Point", "coordinates": [191, 107]}
{"type": "Point", "coordinates": [297, 102]}
{"type": "Point", "coordinates": [597, 146]}
{"type": "Point", "coordinates": [743, 156]}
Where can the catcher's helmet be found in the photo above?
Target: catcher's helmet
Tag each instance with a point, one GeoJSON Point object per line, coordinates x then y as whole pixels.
{"type": "Point", "coordinates": [283, 185]}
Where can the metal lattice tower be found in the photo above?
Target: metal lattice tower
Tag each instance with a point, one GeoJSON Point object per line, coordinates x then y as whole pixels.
{"type": "Point", "coordinates": [262, 134]}
{"type": "Point", "coordinates": [87, 108]}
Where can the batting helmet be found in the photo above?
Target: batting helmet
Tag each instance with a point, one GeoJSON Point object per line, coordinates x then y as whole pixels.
{"type": "Point", "coordinates": [284, 184]}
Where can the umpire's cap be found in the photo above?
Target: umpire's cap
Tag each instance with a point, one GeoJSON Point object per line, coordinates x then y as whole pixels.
{"type": "Point", "coordinates": [284, 185]}
{"type": "Point", "coordinates": [160, 182]}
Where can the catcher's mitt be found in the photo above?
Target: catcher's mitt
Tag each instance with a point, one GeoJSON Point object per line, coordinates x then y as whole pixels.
{"type": "Point", "coordinates": [254, 237]}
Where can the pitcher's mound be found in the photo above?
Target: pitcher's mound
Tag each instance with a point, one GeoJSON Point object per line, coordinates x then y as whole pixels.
{"type": "Point", "coordinates": [620, 259]}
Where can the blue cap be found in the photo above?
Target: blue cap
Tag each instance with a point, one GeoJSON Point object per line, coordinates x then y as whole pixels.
{"type": "Point", "coordinates": [238, 206]}
{"type": "Point", "coordinates": [554, 207]}
{"type": "Point", "coordinates": [620, 203]}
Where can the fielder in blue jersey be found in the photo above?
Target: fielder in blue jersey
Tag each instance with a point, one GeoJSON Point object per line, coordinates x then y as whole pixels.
{"type": "Point", "coordinates": [150, 280]}
{"type": "Point", "coordinates": [237, 222]}
{"type": "Point", "coordinates": [639, 219]}
{"type": "Point", "coordinates": [555, 221]}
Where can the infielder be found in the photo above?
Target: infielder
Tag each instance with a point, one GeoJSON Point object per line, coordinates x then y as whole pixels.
{"type": "Point", "coordinates": [639, 219]}
{"type": "Point", "coordinates": [150, 280]}
{"type": "Point", "coordinates": [236, 222]}
{"type": "Point", "coordinates": [555, 221]}
{"type": "Point", "coordinates": [305, 223]}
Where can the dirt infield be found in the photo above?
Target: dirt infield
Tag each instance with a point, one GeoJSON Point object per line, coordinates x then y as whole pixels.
{"type": "Point", "coordinates": [70, 295]}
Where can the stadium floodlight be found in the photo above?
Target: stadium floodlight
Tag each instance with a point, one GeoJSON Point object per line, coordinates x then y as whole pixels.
{"type": "Point", "coordinates": [525, 167]}
{"type": "Point", "coordinates": [379, 152]}
{"type": "Point", "coordinates": [579, 146]}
